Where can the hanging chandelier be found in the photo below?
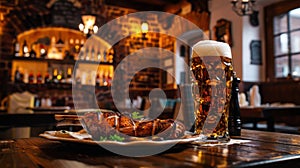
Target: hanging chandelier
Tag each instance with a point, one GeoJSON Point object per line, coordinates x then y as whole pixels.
{"type": "Point", "coordinates": [243, 7]}
{"type": "Point", "coordinates": [88, 26]}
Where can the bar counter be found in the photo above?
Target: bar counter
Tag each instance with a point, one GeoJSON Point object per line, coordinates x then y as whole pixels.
{"type": "Point", "coordinates": [264, 149]}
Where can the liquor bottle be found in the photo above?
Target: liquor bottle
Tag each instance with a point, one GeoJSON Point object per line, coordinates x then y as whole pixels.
{"type": "Point", "coordinates": [47, 78]}
{"type": "Point", "coordinates": [43, 102]}
{"type": "Point", "coordinates": [111, 56]}
{"type": "Point", "coordinates": [18, 76]}
{"type": "Point", "coordinates": [43, 51]}
{"type": "Point", "coordinates": [39, 78]}
{"type": "Point", "coordinates": [32, 53]}
{"type": "Point", "coordinates": [234, 121]}
{"type": "Point", "coordinates": [25, 50]}
{"type": "Point", "coordinates": [25, 76]}
{"type": "Point", "coordinates": [98, 80]}
{"type": "Point", "coordinates": [31, 78]}
{"type": "Point", "coordinates": [81, 54]}
{"type": "Point", "coordinates": [61, 77]}
{"type": "Point", "coordinates": [48, 101]}
{"type": "Point", "coordinates": [17, 48]}
{"type": "Point", "coordinates": [77, 76]}
{"type": "Point", "coordinates": [87, 54]}
{"type": "Point", "coordinates": [93, 56]}
{"type": "Point", "coordinates": [104, 78]}
{"type": "Point", "coordinates": [54, 75]}
{"type": "Point", "coordinates": [37, 101]}
{"type": "Point", "coordinates": [99, 55]}
{"type": "Point", "coordinates": [69, 75]}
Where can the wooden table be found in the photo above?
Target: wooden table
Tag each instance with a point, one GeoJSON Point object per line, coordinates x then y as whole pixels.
{"type": "Point", "coordinates": [287, 115]}
{"type": "Point", "coordinates": [265, 149]}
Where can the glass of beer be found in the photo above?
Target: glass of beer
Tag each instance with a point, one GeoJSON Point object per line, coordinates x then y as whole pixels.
{"type": "Point", "coordinates": [211, 67]}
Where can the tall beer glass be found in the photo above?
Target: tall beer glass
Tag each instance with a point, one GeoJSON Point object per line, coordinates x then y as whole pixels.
{"type": "Point", "coordinates": [212, 70]}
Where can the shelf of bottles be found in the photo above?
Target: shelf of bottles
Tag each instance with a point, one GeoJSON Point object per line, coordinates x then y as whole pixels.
{"type": "Point", "coordinates": [49, 55]}
{"type": "Point", "coordinates": [41, 73]}
{"type": "Point", "coordinates": [92, 74]}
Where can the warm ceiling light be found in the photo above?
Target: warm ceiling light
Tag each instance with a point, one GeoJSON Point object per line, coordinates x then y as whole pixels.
{"type": "Point", "coordinates": [81, 27]}
{"type": "Point", "coordinates": [95, 29]}
{"type": "Point", "coordinates": [88, 21]}
{"type": "Point", "coordinates": [1, 17]}
{"type": "Point", "coordinates": [88, 27]}
{"type": "Point", "coordinates": [243, 7]}
{"type": "Point", "coordinates": [144, 27]}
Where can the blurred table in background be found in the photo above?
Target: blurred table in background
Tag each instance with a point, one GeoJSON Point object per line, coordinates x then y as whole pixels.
{"type": "Point", "coordinates": [32, 124]}
{"type": "Point", "coordinates": [287, 115]}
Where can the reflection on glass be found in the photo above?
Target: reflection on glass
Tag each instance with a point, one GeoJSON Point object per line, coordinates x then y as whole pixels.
{"type": "Point", "coordinates": [281, 44]}
{"type": "Point", "coordinates": [280, 24]}
{"type": "Point", "coordinates": [295, 41]}
{"type": "Point", "coordinates": [296, 65]}
{"type": "Point", "coordinates": [295, 19]}
{"type": "Point", "coordinates": [281, 67]}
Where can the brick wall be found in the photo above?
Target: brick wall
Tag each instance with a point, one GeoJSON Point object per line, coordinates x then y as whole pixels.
{"type": "Point", "coordinates": [13, 25]}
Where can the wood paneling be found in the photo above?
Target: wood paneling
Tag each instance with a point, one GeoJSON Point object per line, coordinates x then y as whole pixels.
{"type": "Point", "coordinates": [276, 92]}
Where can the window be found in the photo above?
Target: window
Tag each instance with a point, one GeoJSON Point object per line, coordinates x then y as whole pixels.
{"type": "Point", "coordinates": [283, 40]}
{"type": "Point", "coordinates": [287, 44]}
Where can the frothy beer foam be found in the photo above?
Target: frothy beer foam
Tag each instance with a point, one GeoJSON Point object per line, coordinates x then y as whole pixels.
{"type": "Point", "coordinates": [211, 48]}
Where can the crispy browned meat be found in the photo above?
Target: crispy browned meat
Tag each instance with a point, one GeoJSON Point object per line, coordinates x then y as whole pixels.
{"type": "Point", "coordinates": [108, 123]}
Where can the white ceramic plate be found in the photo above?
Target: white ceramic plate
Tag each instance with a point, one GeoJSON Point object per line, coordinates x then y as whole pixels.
{"type": "Point", "coordinates": [81, 138]}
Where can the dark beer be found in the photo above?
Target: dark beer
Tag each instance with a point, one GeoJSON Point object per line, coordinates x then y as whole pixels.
{"type": "Point", "coordinates": [212, 70]}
